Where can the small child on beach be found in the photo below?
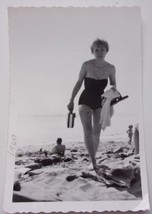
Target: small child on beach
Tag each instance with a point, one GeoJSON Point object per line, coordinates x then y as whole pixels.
{"type": "Point", "coordinates": [59, 149]}
{"type": "Point", "coordinates": [130, 133]}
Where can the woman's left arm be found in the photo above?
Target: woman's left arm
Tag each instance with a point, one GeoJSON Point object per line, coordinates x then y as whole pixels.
{"type": "Point", "coordinates": [112, 77]}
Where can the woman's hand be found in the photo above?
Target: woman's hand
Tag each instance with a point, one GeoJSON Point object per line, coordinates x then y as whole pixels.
{"type": "Point", "coordinates": [114, 88]}
{"type": "Point", "coordinates": [70, 106]}
{"type": "Point", "coordinates": [103, 101]}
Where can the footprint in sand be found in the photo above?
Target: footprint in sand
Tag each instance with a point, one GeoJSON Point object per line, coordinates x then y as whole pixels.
{"type": "Point", "coordinates": [86, 187]}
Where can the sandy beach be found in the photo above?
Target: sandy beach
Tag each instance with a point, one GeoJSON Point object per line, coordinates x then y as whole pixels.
{"type": "Point", "coordinates": [53, 178]}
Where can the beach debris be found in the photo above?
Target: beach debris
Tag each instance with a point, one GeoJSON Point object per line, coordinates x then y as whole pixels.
{"type": "Point", "coordinates": [20, 171]}
{"type": "Point", "coordinates": [74, 157]}
{"type": "Point", "coordinates": [110, 181]}
{"type": "Point", "coordinates": [109, 152]}
{"type": "Point", "coordinates": [35, 172]}
{"type": "Point", "coordinates": [85, 159]}
{"type": "Point", "coordinates": [74, 150]}
{"type": "Point", "coordinates": [82, 155]}
{"type": "Point", "coordinates": [53, 160]}
{"type": "Point", "coordinates": [68, 159]}
{"type": "Point", "coordinates": [89, 175]}
{"type": "Point", "coordinates": [16, 186]}
{"type": "Point", "coordinates": [137, 158]}
{"type": "Point", "coordinates": [46, 162]}
{"type": "Point", "coordinates": [122, 177]}
{"type": "Point", "coordinates": [19, 162]}
{"type": "Point", "coordinates": [19, 155]}
{"type": "Point", "coordinates": [121, 149]}
{"type": "Point", "coordinates": [121, 152]}
{"type": "Point", "coordinates": [56, 159]}
{"type": "Point", "coordinates": [71, 178]}
{"type": "Point", "coordinates": [102, 159]}
{"type": "Point", "coordinates": [33, 166]}
{"type": "Point", "coordinates": [123, 155]}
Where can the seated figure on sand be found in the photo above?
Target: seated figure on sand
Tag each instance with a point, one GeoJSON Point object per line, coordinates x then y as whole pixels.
{"type": "Point", "coordinates": [59, 149]}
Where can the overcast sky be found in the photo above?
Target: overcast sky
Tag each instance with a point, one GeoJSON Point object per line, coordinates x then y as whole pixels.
{"type": "Point", "coordinates": [49, 45]}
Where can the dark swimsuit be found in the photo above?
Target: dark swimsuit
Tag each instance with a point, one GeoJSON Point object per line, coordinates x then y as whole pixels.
{"type": "Point", "coordinates": [91, 96]}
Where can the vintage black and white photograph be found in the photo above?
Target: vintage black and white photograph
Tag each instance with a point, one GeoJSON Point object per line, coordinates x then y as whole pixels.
{"type": "Point", "coordinates": [75, 124]}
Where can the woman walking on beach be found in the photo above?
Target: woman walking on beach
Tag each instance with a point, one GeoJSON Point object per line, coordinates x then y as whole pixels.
{"type": "Point", "coordinates": [95, 74]}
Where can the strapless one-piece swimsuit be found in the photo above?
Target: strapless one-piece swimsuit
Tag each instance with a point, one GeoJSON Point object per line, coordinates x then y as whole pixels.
{"type": "Point", "coordinates": [91, 95]}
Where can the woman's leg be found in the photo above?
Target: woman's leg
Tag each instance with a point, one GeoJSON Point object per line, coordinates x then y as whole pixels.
{"type": "Point", "coordinates": [96, 128]}
{"type": "Point", "coordinates": [86, 119]}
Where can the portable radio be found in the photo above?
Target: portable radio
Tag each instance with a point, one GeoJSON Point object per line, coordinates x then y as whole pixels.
{"type": "Point", "coordinates": [70, 119]}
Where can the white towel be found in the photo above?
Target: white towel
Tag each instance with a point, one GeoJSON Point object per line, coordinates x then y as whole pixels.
{"type": "Point", "coordinates": [107, 110]}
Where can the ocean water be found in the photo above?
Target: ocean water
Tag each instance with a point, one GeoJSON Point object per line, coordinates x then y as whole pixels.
{"type": "Point", "coordinates": [33, 130]}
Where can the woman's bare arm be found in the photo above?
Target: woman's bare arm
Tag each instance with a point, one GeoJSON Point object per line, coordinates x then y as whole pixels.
{"type": "Point", "coordinates": [79, 82]}
{"type": "Point", "coordinates": [77, 86]}
{"type": "Point", "coordinates": [113, 78]}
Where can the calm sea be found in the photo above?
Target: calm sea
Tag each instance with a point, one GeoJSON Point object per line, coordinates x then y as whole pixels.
{"type": "Point", "coordinates": [32, 130]}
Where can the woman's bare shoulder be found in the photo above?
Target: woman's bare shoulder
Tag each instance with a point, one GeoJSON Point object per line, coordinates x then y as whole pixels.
{"type": "Point", "coordinates": [110, 65]}
{"type": "Point", "coordinates": [89, 63]}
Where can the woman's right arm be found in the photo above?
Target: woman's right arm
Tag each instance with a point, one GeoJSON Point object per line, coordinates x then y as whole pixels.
{"type": "Point", "coordinates": [77, 86]}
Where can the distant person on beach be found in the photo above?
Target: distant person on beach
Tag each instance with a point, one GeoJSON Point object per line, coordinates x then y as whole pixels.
{"type": "Point", "coordinates": [95, 74]}
{"type": "Point", "coordinates": [43, 152]}
{"type": "Point", "coordinates": [59, 149]}
{"type": "Point", "coordinates": [130, 133]}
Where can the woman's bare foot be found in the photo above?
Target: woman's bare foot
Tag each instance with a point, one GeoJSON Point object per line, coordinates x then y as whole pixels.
{"type": "Point", "coordinates": [90, 167]}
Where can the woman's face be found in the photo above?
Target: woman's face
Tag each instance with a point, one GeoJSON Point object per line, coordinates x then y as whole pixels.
{"type": "Point", "coordinates": [99, 52]}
